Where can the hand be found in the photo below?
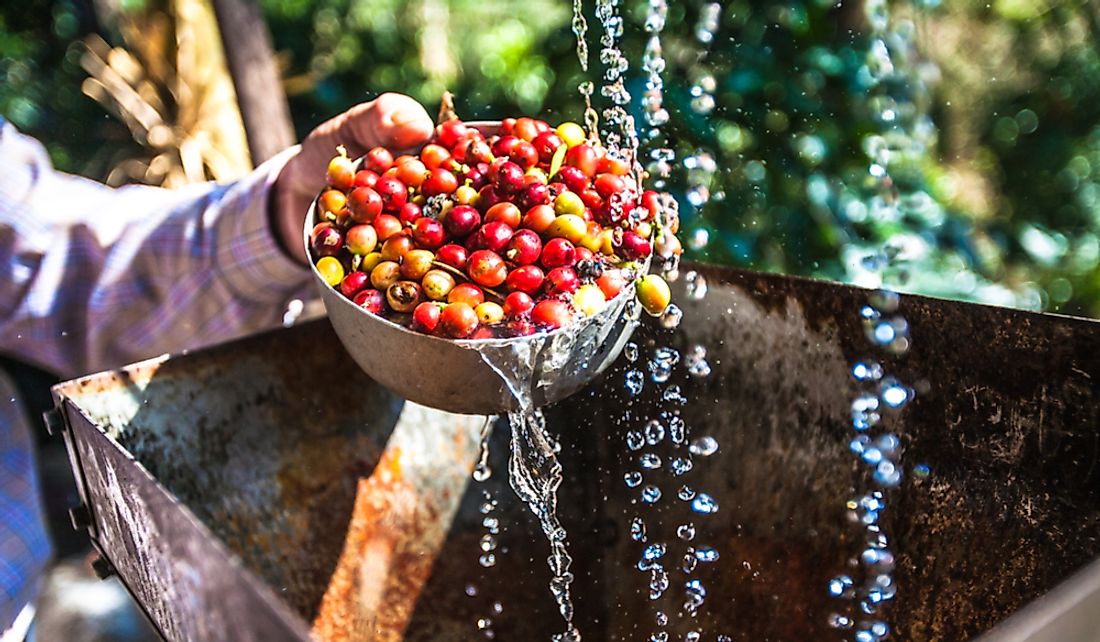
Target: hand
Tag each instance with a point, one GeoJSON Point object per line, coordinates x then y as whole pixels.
{"type": "Point", "coordinates": [394, 121]}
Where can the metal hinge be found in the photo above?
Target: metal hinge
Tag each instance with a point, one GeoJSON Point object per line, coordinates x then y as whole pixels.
{"type": "Point", "coordinates": [80, 517]}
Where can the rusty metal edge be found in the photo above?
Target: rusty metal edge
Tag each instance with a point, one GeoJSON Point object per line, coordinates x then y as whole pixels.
{"type": "Point", "coordinates": [294, 623]}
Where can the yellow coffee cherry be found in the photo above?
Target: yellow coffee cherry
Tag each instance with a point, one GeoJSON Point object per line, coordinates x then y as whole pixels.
{"type": "Point", "coordinates": [571, 133]}
{"type": "Point", "coordinates": [568, 226]}
{"type": "Point", "coordinates": [465, 195]}
{"type": "Point", "coordinates": [332, 271]}
{"type": "Point", "coordinates": [568, 203]}
{"type": "Point", "coordinates": [653, 294]}
{"type": "Point", "coordinates": [489, 313]}
{"type": "Point", "coordinates": [589, 299]}
{"type": "Point", "coordinates": [370, 261]}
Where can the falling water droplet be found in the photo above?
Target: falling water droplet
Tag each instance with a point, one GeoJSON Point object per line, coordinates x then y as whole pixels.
{"type": "Point", "coordinates": [654, 432]}
{"type": "Point", "coordinates": [696, 286]}
{"type": "Point", "coordinates": [649, 461]}
{"type": "Point", "coordinates": [686, 532]}
{"type": "Point", "coordinates": [704, 503]}
{"type": "Point", "coordinates": [632, 479]}
{"type": "Point", "coordinates": [651, 494]}
{"type": "Point", "coordinates": [704, 446]}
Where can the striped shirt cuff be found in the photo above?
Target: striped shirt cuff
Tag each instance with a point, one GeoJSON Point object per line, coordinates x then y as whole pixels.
{"type": "Point", "coordinates": [250, 258]}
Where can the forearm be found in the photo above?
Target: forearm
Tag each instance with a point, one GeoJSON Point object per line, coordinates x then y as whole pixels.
{"type": "Point", "coordinates": [98, 277]}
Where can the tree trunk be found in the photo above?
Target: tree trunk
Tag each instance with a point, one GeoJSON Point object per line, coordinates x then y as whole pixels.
{"type": "Point", "coordinates": [251, 63]}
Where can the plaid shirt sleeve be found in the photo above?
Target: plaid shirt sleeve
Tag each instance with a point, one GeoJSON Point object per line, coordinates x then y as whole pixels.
{"type": "Point", "coordinates": [95, 277]}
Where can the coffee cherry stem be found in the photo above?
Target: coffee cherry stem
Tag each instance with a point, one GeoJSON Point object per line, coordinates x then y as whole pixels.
{"type": "Point", "coordinates": [459, 274]}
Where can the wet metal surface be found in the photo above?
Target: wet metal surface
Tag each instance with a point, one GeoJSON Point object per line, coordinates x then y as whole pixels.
{"type": "Point", "coordinates": [352, 514]}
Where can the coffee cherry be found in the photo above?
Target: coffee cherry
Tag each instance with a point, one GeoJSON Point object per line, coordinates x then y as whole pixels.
{"type": "Point", "coordinates": [525, 128]}
{"type": "Point", "coordinates": [538, 218]}
{"type": "Point", "coordinates": [372, 301]}
{"type": "Point", "coordinates": [634, 247]}
{"type": "Point", "coordinates": [583, 157]}
{"type": "Point", "coordinates": [370, 261]}
{"type": "Point", "coordinates": [409, 213]}
{"type": "Point", "coordinates": [532, 195]}
{"type": "Point", "coordinates": [437, 284]}
{"type": "Point", "coordinates": [331, 270]}
{"type": "Point", "coordinates": [378, 160]}
{"type": "Point", "coordinates": [387, 225]}
{"type": "Point", "coordinates": [526, 279]}
{"type": "Point", "coordinates": [341, 172]}
{"type": "Point", "coordinates": [458, 320]}
{"type": "Point", "coordinates": [571, 133]}
{"type": "Point", "coordinates": [502, 147]}
{"type": "Point", "coordinates": [364, 204]}
{"type": "Point", "coordinates": [551, 313]}
{"type": "Point", "coordinates": [524, 248]}
{"type": "Point", "coordinates": [361, 239]}
{"type": "Point", "coordinates": [589, 299]}
{"type": "Point", "coordinates": [326, 240]}
{"type": "Point", "coordinates": [365, 178]}
{"type": "Point", "coordinates": [450, 132]}
{"type": "Point", "coordinates": [493, 236]}
{"type": "Point", "coordinates": [509, 178]}
{"type": "Point", "coordinates": [477, 177]}
{"type": "Point", "coordinates": [653, 294]}
{"type": "Point", "coordinates": [524, 154]}
{"type": "Point", "coordinates": [546, 144]}
{"type": "Point", "coordinates": [465, 195]}
{"type": "Point", "coordinates": [489, 313]}
{"type": "Point", "coordinates": [486, 268]}
{"type": "Point", "coordinates": [461, 220]}
{"type": "Point", "coordinates": [562, 280]}
{"type": "Point", "coordinates": [353, 283]}
{"type": "Point", "coordinates": [403, 296]}
{"type": "Point", "coordinates": [487, 197]}
{"type": "Point", "coordinates": [568, 226]}
{"type": "Point", "coordinates": [613, 166]}
{"type": "Point", "coordinates": [506, 213]}
{"type": "Point", "coordinates": [609, 184]}
{"type": "Point", "coordinates": [466, 293]}
{"type": "Point", "coordinates": [332, 200]}
{"type": "Point", "coordinates": [393, 192]}
{"type": "Point", "coordinates": [396, 247]}
{"type": "Point", "coordinates": [428, 232]}
{"type": "Point", "coordinates": [558, 252]}
{"type": "Point", "coordinates": [385, 274]}
{"type": "Point", "coordinates": [517, 304]}
{"type": "Point", "coordinates": [434, 156]}
{"type": "Point", "coordinates": [584, 254]}
{"type": "Point", "coordinates": [453, 255]}
{"type": "Point", "coordinates": [426, 316]}
{"type": "Point", "coordinates": [412, 172]}
{"type": "Point", "coordinates": [416, 264]}
{"type": "Point", "coordinates": [440, 181]}
{"type": "Point", "coordinates": [568, 203]}
{"type": "Point", "coordinates": [573, 178]}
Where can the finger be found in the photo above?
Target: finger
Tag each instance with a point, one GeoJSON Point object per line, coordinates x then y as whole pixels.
{"type": "Point", "coordinates": [394, 121]}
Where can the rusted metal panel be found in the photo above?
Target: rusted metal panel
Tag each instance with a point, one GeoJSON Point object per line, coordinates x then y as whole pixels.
{"type": "Point", "coordinates": [356, 511]}
{"type": "Point", "coordinates": [191, 587]}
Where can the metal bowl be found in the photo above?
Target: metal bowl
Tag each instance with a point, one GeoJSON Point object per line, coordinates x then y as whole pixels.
{"type": "Point", "coordinates": [485, 376]}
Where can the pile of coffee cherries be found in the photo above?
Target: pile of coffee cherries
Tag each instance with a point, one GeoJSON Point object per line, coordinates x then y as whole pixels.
{"type": "Point", "coordinates": [527, 230]}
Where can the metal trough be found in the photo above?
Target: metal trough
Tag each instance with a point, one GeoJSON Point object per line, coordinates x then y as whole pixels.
{"type": "Point", "coordinates": [267, 489]}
